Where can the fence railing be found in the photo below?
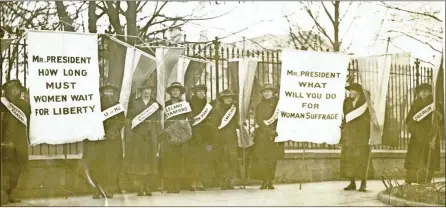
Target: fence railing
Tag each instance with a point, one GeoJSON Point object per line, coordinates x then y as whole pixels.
{"type": "Point", "coordinates": [403, 79]}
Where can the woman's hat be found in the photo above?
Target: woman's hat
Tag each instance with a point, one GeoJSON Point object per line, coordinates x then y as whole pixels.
{"type": "Point", "coordinates": [109, 85]}
{"type": "Point", "coordinates": [269, 86]}
{"type": "Point", "coordinates": [423, 86]}
{"type": "Point", "coordinates": [354, 86]}
{"type": "Point", "coordinates": [199, 87]}
{"type": "Point", "coordinates": [14, 82]}
{"type": "Point", "coordinates": [145, 85]}
{"type": "Point", "coordinates": [226, 93]}
{"type": "Point", "coordinates": [176, 85]}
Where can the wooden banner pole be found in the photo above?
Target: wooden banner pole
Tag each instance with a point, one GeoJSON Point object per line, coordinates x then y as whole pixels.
{"type": "Point", "coordinates": [303, 164]}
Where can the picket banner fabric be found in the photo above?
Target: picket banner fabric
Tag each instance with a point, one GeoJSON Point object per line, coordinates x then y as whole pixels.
{"type": "Point", "coordinates": [195, 72]}
{"type": "Point", "coordinates": [375, 89]}
{"type": "Point", "coordinates": [168, 58]}
{"type": "Point", "coordinates": [243, 73]}
{"type": "Point", "coordinates": [64, 87]}
{"type": "Point", "coordinates": [312, 92]}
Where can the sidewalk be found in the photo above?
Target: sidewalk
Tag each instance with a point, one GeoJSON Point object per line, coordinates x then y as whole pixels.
{"type": "Point", "coordinates": [312, 194]}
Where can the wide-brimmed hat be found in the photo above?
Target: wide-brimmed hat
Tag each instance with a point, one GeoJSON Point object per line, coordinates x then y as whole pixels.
{"type": "Point", "coordinates": [354, 86]}
{"type": "Point", "coordinates": [14, 82]}
{"type": "Point", "coordinates": [269, 86]}
{"type": "Point", "coordinates": [108, 85]}
{"type": "Point", "coordinates": [176, 85]}
{"type": "Point", "coordinates": [199, 87]}
{"type": "Point", "coordinates": [226, 93]}
{"type": "Point", "coordinates": [145, 84]}
{"type": "Point", "coordinates": [423, 86]}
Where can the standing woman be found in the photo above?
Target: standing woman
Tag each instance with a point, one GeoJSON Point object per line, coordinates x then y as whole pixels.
{"type": "Point", "coordinates": [141, 144]}
{"type": "Point", "coordinates": [178, 118]}
{"type": "Point", "coordinates": [355, 138]}
{"type": "Point", "coordinates": [225, 118]}
{"type": "Point", "coordinates": [199, 159]}
{"type": "Point", "coordinates": [103, 157]}
{"type": "Point", "coordinates": [266, 152]}
{"type": "Point", "coordinates": [419, 121]}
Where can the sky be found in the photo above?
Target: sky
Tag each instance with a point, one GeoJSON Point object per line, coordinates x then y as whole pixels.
{"type": "Point", "coordinates": [358, 29]}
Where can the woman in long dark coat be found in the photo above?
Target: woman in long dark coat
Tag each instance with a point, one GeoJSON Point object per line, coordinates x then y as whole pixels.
{"type": "Point", "coordinates": [199, 163]}
{"type": "Point", "coordinates": [266, 152]}
{"type": "Point", "coordinates": [422, 138]}
{"type": "Point", "coordinates": [355, 138]}
{"type": "Point", "coordinates": [226, 141]}
{"type": "Point", "coordinates": [142, 144]}
{"type": "Point", "coordinates": [103, 157]}
{"type": "Point", "coordinates": [173, 155]}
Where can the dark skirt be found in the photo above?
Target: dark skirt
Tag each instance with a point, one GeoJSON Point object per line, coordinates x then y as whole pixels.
{"type": "Point", "coordinates": [199, 163]}
{"type": "Point", "coordinates": [354, 161]}
{"type": "Point", "coordinates": [227, 161]}
{"type": "Point", "coordinates": [417, 158]}
{"type": "Point", "coordinates": [172, 159]}
{"type": "Point", "coordinates": [103, 160]}
{"type": "Point", "coordinates": [265, 155]}
{"type": "Point", "coordinates": [10, 171]}
{"type": "Point", "coordinates": [141, 156]}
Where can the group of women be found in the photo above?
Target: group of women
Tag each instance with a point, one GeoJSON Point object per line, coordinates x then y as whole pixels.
{"type": "Point", "coordinates": [199, 140]}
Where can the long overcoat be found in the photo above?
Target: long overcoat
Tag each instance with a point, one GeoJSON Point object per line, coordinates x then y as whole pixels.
{"type": "Point", "coordinates": [355, 142]}
{"type": "Point", "coordinates": [266, 152]}
{"type": "Point", "coordinates": [173, 155]}
{"type": "Point", "coordinates": [226, 142]}
{"type": "Point", "coordinates": [199, 160]}
{"type": "Point", "coordinates": [14, 159]}
{"type": "Point", "coordinates": [421, 133]}
{"type": "Point", "coordinates": [141, 145]}
{"type": "Point", "coordinates": [104, 157]}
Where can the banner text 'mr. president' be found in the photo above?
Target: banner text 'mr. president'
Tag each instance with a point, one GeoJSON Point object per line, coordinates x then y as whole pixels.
{"type": "Point", "coordinates": [63, 59]}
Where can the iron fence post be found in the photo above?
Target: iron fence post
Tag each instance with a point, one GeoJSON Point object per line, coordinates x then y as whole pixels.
{"type": "Point", "coordinates": [417, 72]}
{"type": "Point", "coordinates": [216, 44]}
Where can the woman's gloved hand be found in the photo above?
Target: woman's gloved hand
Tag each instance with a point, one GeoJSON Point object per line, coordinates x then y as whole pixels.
{"type": "Point", "coordinates": [209, 148]}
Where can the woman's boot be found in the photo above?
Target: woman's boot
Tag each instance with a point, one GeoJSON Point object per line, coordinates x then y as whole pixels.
{"type": "Point", "coordinates": [363, 186]}
{"type": "Point", "coordinates": [229, 184]}
{"type": "Point", "coordinates": [264, 185]}
{"type": "Point", "coordinates": [147, 190]}
{"type": "Point", "coordinates": [223, 184]}
{"type": "Point", "coordinates": [270, 184]}
{"type": "Point", "coordinates": [141, 191]}
{"type": "Point", "coordinates": [351, 186]}
{"type": "Point", "coordinates": [177, 185]}
{"type": "Point", "coordinates": [199, 185]}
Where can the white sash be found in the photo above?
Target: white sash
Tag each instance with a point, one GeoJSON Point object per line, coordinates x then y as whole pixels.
{"type": "Point", "coordinates": [355, 113]}
{"type": "Point", "coordinates": [112, 111]}
{"type": "Point", "coordinates": [177, 109]}
{"type": "Point", "coordinates": [15, 111]}
{"type": "Point", "coordinates": [203, 114]}
{"type": "Point", "coordinates": [423, 112]}
{"type": "Point", "coordinates": [227, 117]}
{"type": "Point", "coordinates": [145, 114]}
{"type": "Point", "coordinates": [273, 118]}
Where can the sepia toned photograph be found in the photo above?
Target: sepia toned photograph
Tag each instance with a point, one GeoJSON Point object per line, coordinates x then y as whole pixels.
{"type": "Point", "coordinates": [222, 103]}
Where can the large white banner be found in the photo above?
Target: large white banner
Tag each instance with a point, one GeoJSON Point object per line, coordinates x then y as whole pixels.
{"type": "Point", "coordinates": [64, 87]}
{"type": "Point", "coordinates": [311, 96]}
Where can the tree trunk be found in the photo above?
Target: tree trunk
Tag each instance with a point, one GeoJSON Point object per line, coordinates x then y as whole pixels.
{"type": "Point", "coordinates": [130, 16]}
{"type": "Point", "coordinates": [63, 16]}
{"type": "Point", "coordinates": [92, 17]}
{"type": "Point", "coordinates": [336, 43]}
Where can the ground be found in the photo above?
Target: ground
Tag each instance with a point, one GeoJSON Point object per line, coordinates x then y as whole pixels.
{"type": "Point", "coordinates": [311, 194]}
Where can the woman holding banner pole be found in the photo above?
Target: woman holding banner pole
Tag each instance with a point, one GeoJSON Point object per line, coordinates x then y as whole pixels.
{"type": "Point", "coordinates": [423, 153]}
{"type": "Point", "coordinates": [141, 144]}
{"type": "Point", "coordinates": [225, 117]}
{"type": "Point", "coordinates": [266, 152]}
{"type": "Point", "coordinates": [355, 138]}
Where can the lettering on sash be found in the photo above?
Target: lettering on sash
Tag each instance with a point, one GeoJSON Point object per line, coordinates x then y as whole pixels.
{"type": "Point", "coordinates": [423, 112]}
{"type": "Point", "coordinates": [15, 111]}
{"type": "Point", "coordinates": [227, 117]}
{"type": "Point", "coordinates": [177, 109]}
{"type": "Point", "coordinates": [273, 118]}
{"type": "Point", "coordinates": [356, 113]}
{"type": "Point", "coordinates": [112, 111]}
{"type": "Point", "coordinates": [145, 114]}
{"type": "Point", "coordinates": [203, 114]}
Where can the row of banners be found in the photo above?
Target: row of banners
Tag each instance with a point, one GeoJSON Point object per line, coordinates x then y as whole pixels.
{"type": "Point", "coordinates": [65, 101]}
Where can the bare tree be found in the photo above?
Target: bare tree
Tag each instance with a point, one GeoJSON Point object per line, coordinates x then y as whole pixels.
{"type": "Point", "coordinates": [418, 21]}
{"type": "Point", "coordinates": [334, 11]}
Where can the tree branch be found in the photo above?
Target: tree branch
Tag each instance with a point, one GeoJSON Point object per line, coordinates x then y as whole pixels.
{"type": "Point", "coordinates": [416, 39]}
{"type": "Point", "coordinates": [328, 13]}
{"type": "Point", "coordinates": [320, 28]}
{"type": "Point", "coordinates": [412, 12]}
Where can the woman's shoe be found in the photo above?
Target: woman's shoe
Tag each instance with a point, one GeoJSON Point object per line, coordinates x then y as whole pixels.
{"type": "Point", "coordinates": [270, 185]}
{"type": "Point", "coordinates": [200, 188]}
{"type": "Point", "coordinates": [350, 187]}
{"type": "Point", "coordinates": [264, 185]}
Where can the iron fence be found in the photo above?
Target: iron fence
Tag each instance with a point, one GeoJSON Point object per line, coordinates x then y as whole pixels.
{"type": "Point", "coordinates": [403, 79]}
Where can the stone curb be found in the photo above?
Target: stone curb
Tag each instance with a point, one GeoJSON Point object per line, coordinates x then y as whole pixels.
{"type": "Point", "coordinates": [399, 202]}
